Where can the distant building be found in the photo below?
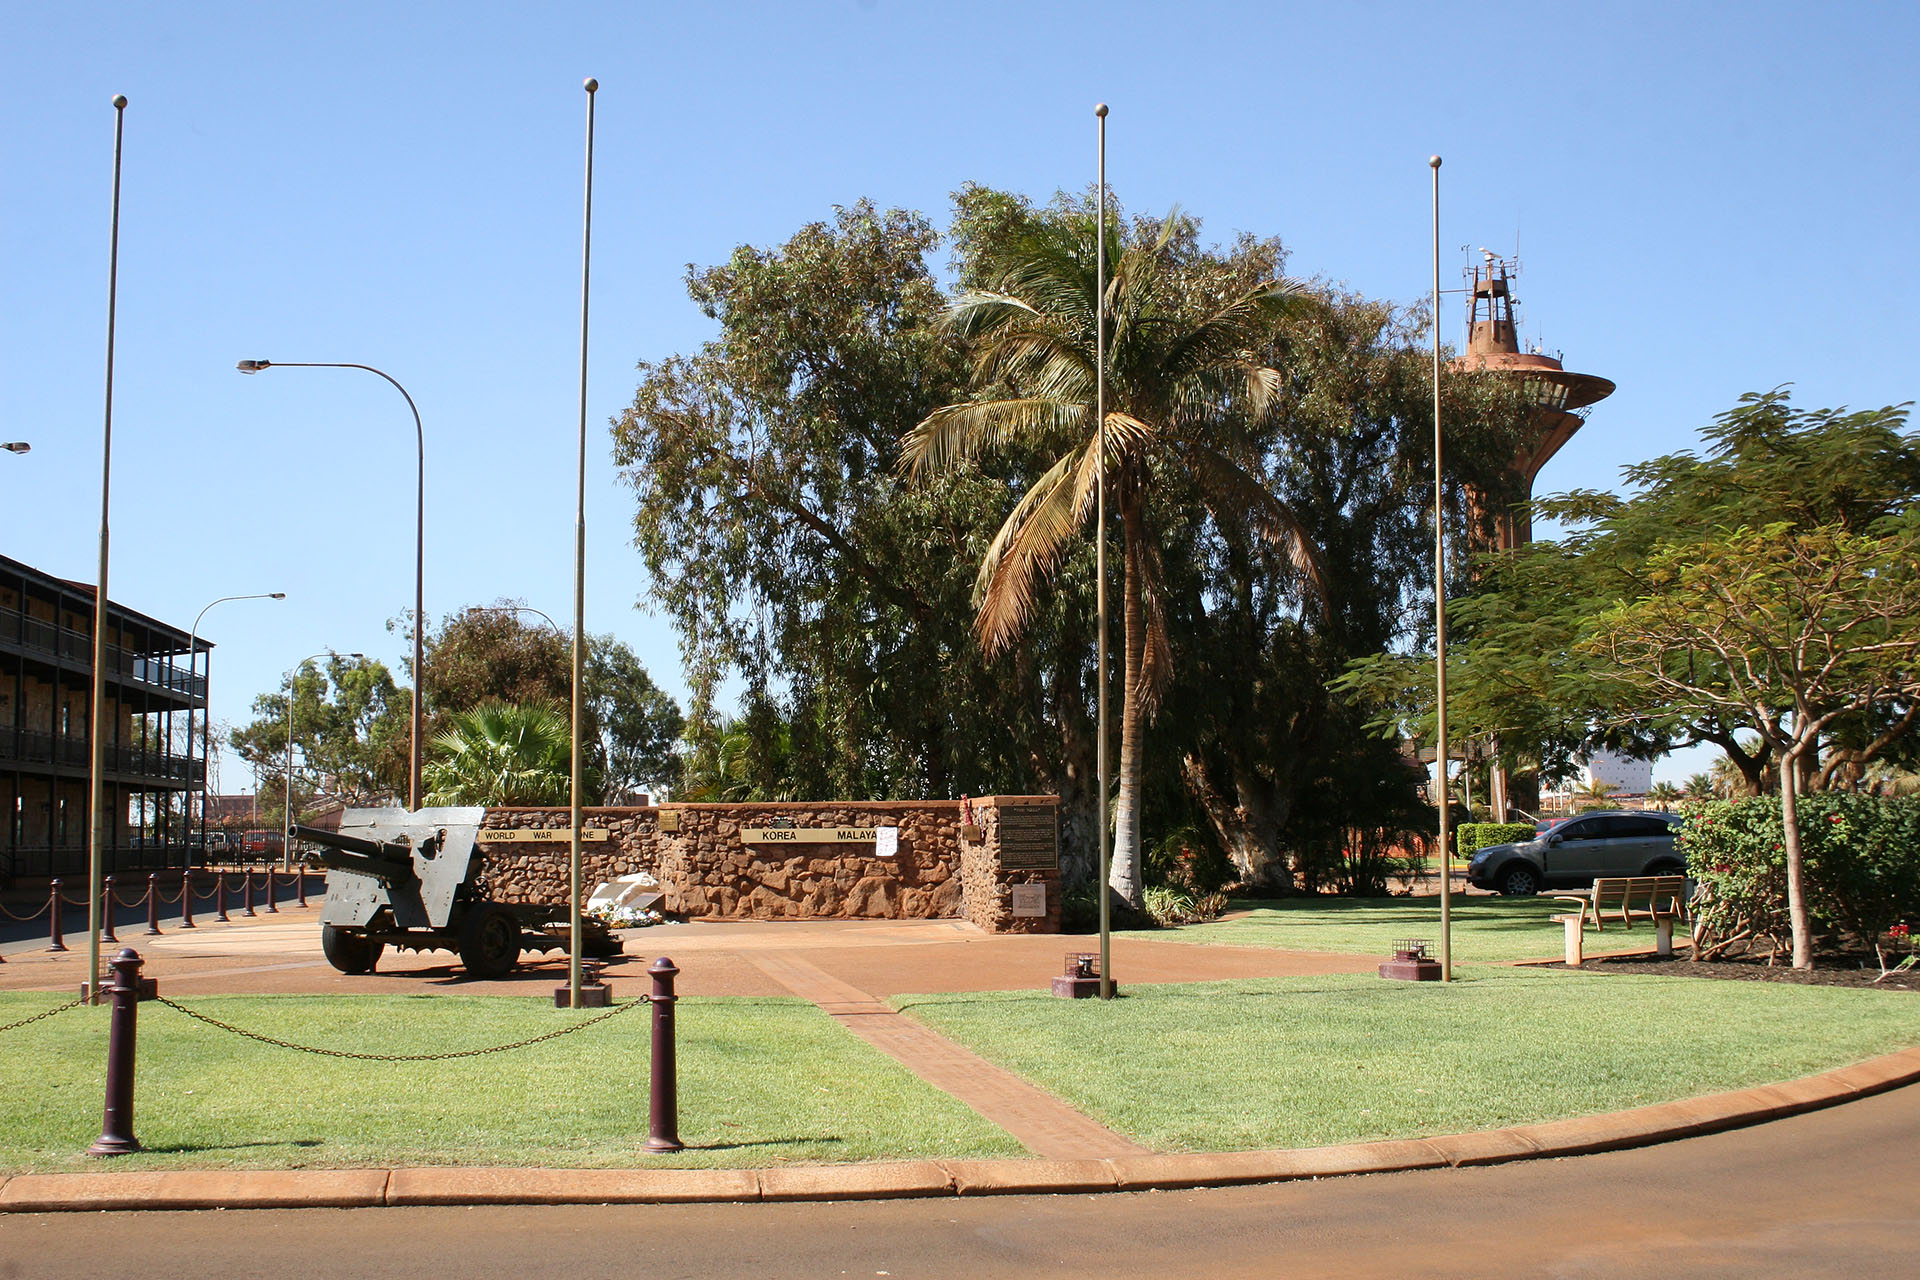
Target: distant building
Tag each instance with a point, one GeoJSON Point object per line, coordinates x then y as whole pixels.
{"type": "Point", "coordinates": [46, 681]}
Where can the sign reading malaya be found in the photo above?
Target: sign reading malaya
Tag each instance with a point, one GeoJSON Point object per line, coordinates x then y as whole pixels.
{"type": "Point", "coordinates": [807, 835]}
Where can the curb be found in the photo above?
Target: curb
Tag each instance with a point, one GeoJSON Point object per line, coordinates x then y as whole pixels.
{"type": "Point", "coordinates": [375, 1188]}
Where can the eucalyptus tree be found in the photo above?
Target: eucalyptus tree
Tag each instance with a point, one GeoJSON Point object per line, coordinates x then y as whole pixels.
{"type": "Point", "coordinates": [1186, 375]}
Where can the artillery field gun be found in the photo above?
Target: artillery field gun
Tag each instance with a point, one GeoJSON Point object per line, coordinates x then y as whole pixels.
{"type": "Point", "coordinates": [414, 880]}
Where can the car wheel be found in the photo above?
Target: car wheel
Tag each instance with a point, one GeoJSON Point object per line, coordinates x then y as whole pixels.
{"type": "Point", "coordinates": [490, 942]}
{"type": "Point", "coordinates": [1520, 881]}
{"type": "Point", "coordinates": [349, 951]}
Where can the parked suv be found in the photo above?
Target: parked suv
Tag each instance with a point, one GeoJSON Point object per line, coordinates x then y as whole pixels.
{"type": "Point", "coordinates": [1570, 854]}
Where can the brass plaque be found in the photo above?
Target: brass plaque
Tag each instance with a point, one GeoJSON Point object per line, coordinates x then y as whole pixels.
{"type": "Point", "coordinates": [669, 820]}
{"type": "Point", "coordinates": [1029, 838]}
{"type": "Point", "coordinates": [541, 836]}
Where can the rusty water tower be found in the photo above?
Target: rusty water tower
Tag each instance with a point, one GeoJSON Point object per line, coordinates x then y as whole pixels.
{"type": "Point", "coordinates": [1560, 399]}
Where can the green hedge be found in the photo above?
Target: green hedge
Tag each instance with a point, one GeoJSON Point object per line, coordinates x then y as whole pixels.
{"type": "Point", "coordinates": [1475, 836]}
{"type": "Point", "coordinates": [1861, 855]}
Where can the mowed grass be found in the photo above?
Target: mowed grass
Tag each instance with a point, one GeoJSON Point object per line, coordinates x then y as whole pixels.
{"type": "Point", "coordinates": [762, 1082]}
{"type": "Point", "coordinates": [1299, 1062]}
{"type": "Point", "coordinates": [1485, 929]}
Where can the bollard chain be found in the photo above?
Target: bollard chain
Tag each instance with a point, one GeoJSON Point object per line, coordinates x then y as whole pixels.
{"type": "Point", "coordinates": [615, 1012]}
{"type": "Point", "coordinates": [9, 913]}
{"type": "Point", "coordinates": [47, 1013]}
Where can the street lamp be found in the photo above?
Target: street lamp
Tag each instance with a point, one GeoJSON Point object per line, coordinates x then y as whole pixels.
{"type": "Point", "coordinates": [16, 446]}
{"type": "Point", "coordinates": [193, 644]}
{"type": "Point", "coordinates": [286, 846]}
{"type": "Point", "coordinates": [419, 553]}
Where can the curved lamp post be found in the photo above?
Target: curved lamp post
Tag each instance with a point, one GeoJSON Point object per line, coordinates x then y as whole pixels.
{"type": "Point", "coordinates": [16, 446]}
{"type": "Point", "coordinates": [193, 644]}
{"type": "Point", "coordinates": [286, 847]}
{"type": "Point", "coordinates": [419, 544]}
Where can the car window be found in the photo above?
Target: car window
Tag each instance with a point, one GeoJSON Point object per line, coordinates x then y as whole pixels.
{"type": "Point", "coordinates": [1585, 829]}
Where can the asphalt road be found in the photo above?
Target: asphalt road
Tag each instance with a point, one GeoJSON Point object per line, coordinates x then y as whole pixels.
{"type": "Point", "coordinates": [1833, 1193]}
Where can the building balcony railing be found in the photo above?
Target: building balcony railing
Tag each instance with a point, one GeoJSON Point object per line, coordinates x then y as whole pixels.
{"type": "Point", "coordinates": [36, 635]}
{"type": "Point", "coordinates": [34, 747]}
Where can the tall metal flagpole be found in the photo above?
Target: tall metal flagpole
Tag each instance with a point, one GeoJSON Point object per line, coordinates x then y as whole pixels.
{"type": "Point", "coordinates": [580, 581]}
{"type": "Point", "coordinates": [96, 783]}
{"type": "Point", "coordinates": [1440, 610]}
{"type": "Point", "coordinates": [1100, 552]}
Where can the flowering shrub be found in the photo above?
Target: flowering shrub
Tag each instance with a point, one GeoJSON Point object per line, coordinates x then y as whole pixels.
{"type": "Point", "coordinates": [1862, 859]}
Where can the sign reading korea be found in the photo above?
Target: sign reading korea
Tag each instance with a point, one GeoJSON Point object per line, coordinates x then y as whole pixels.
{"type": "Point", "coordinates": [537, 835]}
{"type": "Point", "coordinates": [806, 835]}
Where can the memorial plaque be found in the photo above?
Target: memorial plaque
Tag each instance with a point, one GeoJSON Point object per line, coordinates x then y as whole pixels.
{"type": "Point", "coordinates": [1029, 901]}
{"type": "Point", "coordinates": [1029, 837]}
{"type": "Point", "coordinates": [806, 835]}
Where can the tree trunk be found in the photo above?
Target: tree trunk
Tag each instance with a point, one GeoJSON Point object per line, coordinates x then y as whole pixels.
{"type": "Point", "coordinates": [1796, 875]}
{"type": "Point", "coordinates": [1249, 829]}
{"type": "Point", "coordinates": [1124, 876]}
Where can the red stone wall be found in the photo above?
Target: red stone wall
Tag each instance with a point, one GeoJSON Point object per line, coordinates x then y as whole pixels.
{"type": "Point", "coordinates": [708, 872]}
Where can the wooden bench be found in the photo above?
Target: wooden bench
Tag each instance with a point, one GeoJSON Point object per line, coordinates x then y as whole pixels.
{"type": "Point", "coordinates": [1661, 899]}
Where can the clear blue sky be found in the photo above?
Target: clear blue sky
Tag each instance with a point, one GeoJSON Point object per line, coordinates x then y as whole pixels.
{"type": "Point", "coordinates": [1707, 199]}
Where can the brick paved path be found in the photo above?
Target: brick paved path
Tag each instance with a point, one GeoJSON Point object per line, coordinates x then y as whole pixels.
{"type": "Point", "coordinates": [1041, 1122]}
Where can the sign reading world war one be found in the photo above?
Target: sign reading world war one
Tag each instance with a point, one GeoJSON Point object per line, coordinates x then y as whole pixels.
{"type": "Point", "coordinates": [1030, 836]}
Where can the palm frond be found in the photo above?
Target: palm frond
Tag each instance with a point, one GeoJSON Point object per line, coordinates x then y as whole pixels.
{"type": "Point", "coordinates": [952, 434]}
{"type": "Point", "coordinates": [1233, 495]}
{"type": "Point", "coordinates": [1028, 545]}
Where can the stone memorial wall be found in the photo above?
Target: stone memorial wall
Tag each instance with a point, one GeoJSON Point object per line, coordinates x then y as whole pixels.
{"type": "Point", "coordinates": [873, 860]}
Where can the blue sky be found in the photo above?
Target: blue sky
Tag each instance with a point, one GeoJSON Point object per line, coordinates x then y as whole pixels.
{"type": "Point", "coordinates": [1707, 200]}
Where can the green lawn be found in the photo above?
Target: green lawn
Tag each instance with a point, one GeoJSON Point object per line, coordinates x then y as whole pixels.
{"type": "Point", "coordinates": [1307, 1061]}
{"type": "Point", "coordinates": [1484, 928]}
{"type": "Point", "coordinates": [762, 1082]}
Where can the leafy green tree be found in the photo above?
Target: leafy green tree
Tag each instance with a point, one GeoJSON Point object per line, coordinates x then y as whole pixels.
{"type": "Point", "coordinates": [498, 653]}
{"type": "Point", "coordinates": [1515, 665]}
{"type": "Point", "coordinates": [502, 753]}
{"type": "Point", "coordinates": [1185, 371]}
{"type": "Point", "coordinates": [789, 555]}
{"type": "Point", "coordinates": [352, 733]}
{"type": "Point", "coordinates": [1789, 629]}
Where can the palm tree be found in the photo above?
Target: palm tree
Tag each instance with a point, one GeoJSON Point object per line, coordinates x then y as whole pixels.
{"type": "Point", "coordinates": [502, 753]}
{"type": "Point", "coordinates": [1699, 786]}
{"type": "Point", "coordinates": [1184, 367]}
{"type": "Point", "coordinates": [1663, 794]}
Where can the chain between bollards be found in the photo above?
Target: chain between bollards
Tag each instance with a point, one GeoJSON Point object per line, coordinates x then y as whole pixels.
{"type": "Point", "coordinates": [663, 1092]}
{"type": "Point", "coordinates": [116, 1126]}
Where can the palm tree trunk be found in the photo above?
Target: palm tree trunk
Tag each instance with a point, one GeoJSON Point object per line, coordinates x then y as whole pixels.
{"type": "Point", "coordinates": [1124, 875]}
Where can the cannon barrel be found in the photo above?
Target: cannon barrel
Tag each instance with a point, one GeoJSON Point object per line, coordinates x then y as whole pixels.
{"type": "Point", "coordinates": [390, 864]}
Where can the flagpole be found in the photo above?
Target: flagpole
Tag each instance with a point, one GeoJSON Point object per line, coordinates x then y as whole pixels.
{"type": "Point", "coordinates": [1440, 610]}
{"type": "Point", "coordinates": [580, 586]}
{"type": "Point", "coordinates": [97, 706]}
{"type": "Point", "coordinates": [1100, 554]}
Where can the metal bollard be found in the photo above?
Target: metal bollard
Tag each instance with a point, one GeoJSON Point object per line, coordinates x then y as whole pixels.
{"type": "Point", "coordinates": [186, 898]}
{"type": "Point", "coordinates": [300, 882]}
{"type": "Point", "coordinates": [153, 903]}
{"type": "Point", "coordinates": [116, 1128]}
{"type": "Point", "coordinates": [663, 1093]}
{"type": "Point", "coordinates": [246, 892]}
{"type": "Point", "coordinates": [271, 909]}
{"type": "Point", "coordinates": [106, 911]}
{"type": "Point", "coordinates": [56, 939]}
{"type": "Point", "coordinates": [220, 896]}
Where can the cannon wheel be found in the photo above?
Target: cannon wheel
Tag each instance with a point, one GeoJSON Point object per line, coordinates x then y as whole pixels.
{"type": "Point", "coordinates": [349, 952]}
{"type": "Point", "coordinates": [490, 942]}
